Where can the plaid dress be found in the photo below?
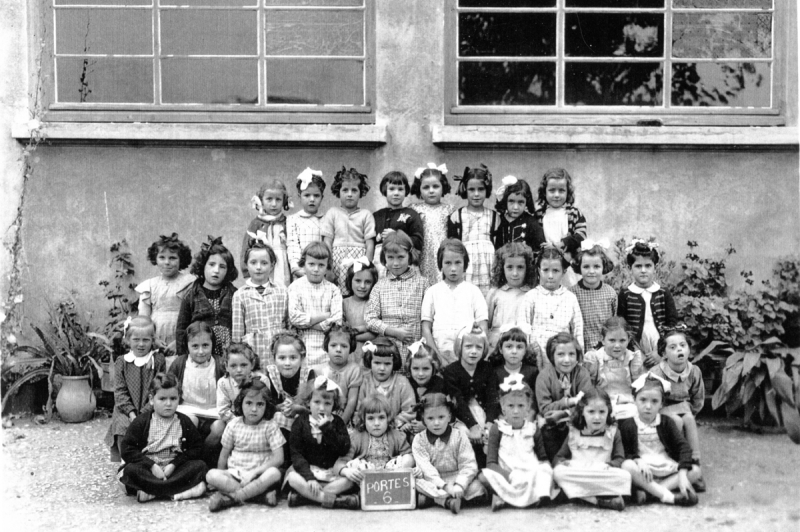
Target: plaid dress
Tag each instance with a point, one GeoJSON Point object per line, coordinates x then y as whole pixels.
{"type": "Point", "coordinates": [257, 317]}
{"type": "Point", "coordinates": [446, 458]}
{"type": "Point", "coordinates": [250, 445]}
{"type": "Point", "coordinates": [476, 230]}
{"type": "Point", "coordinates": [306, 299]}
{"type": "Point", "coordinates": [549, 313]}
{"type": "Point", "coordinates": [164, 440]}
{"type": "Point", "coordinates": [302, 229]}
{"type": "Point", "coordinates": [596, 307]}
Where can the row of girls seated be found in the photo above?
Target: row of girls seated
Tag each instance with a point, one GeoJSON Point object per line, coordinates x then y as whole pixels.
{"type": "Point", "coordinates": [291, 423]}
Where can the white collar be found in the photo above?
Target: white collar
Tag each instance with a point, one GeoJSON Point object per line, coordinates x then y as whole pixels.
{"type": "Point", "coordinates": [641, 424]}
{"type": "Point", "coordinates": [557, 292]}
{"type": "Point", "coordinates": [138, 361]}
{"type": "Point", "coordinates": [674, 375]}
{"type": "Point", "coordinates": [304, 214]}
{"type": "Point", "coordinates": [251, 284]}
{"type": "Point", "coordinates": [636, 289]}
{"type": "Point", "coordinates": [507, 287]}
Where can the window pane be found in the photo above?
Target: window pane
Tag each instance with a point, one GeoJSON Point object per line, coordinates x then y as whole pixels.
{"type": "Point", "coordinates": [723, 4]}
{"type": "Point", "coordinates": [314, 33]}
{"type": "Point", "coordinates": [722, 35]}
{"type": "Point", "coordinates": [315, 81]}
{"type": "Point", "coordinates": [613, 84]}
{"type": "Point", "coordinates": [314, 2]}
{"type": "Point", "coordinates": [507, 34]}
{"type": "Point", "coordinates": [616, 3]}
{"type": "Point", "coordinates": [219, 81]}
{"type": "Point", "coordinates": [215, 3]}
{"type": "Point", "coordinates": [721, 84]}
{"type": "Point", "coordinates": [614, 35]}
{"type": "Point", "coordinates": [506, 83]}
{"type": "Point", "coordinates": [507, 3]}
{"type": "Point", "coordinates": [104, 80]}
{"type": "Point", "coordinates": [104, 31]}
{"type": "Point", "coordinates": [203, 32]}
{"type": "Point", "coordinates": [103, 2]}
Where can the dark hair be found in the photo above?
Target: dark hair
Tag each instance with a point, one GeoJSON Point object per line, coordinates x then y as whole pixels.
{"type": "Point", "coordinates": [551, 253]}
{"type": "Point", "coordinates": [201, 327]}
{"type": "Point", "coordinates": [555, 173]}
{"type": "Point", "coordinates": [424, 352]}
{"type": "Point", "coordinates": [373, 404]}
{"type": "Point", "coordinates": [595, 251]}
{"type": "Point", "coordinates": [165, 381]}
{"type": "Point", "coordinates": [308, 389]}
{"type": "Point", "coordinates": [287, 337]}
{"type": "Point", "coordinates": [258, 387]}
{"type": "Point", "coordinates": [679, 329]}
{"type": "Point", "coordinates": [399, 239]}
{"type": "Point", "coordinates": [316, 181]}
{"type": "Point", "coordinates": [394, 178]}
{"type": "Point", "coordinates": [207, 250]}
{"type": "Point", "coordinates": [344, 173]}
{"type": "Point", "coordinates": [641, 249]}
{"type": "Point", "coordinates": [456, 246]}
{"type": "Point", "coordinates": [514, 334]}
{"type": "Point", "coordinates": [520, 187]}
{"type": "Point", "coordinates": [171, 243]}
{"type": "Point", "coordinates": [592, 394]}
{"type": "Point", "coordinates": [385, 348]}
{"type": "Point", "coordinates": [512, 250]}
{"type": "Point", "coordinates": [615, 323]}
{"type": "Point", "coordinates": [258, 244]}
{"type": "Point", "coordinates": [241, 348]}
{"type": "Point", "coordinates": [348, 280]}
{"type": "Point", "coordinates": [274, 184]}
{"type": "Point", "coordinates": [651, 383]}
{"type": "Point", "coordinates": [416, 186]}
{"type": "Point", "coordinates": [481, 173]}
{"type": "Point", "coordinates": [318, 250]}
{"type": "Point", "coordinates": [343, 330]}
{"type": "Point", "coordinates": [559, 339]}
{"type": "Point", "coordinates": [434, 400]}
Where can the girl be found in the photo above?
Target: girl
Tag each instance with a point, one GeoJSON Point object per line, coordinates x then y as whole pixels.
{"type": "Point", "coordinates": [657, 456]}
{"type": "Point", "coordinates": [614, 367]}
{"type": "Point", "coordinates": [424, 374]}
{"type": "Point", "coordinates": [361, 277]}
{"type": "Point", "coordinates": [588, 464]}
{"type": "Point", "coordinates": [210, 297]}
{"type": "Point", "coordinates": [260, 307]}
{"type": "Point", "coordinates": [376, 445]}
{"type": "Point", "coordinates": [162, 448]}
{"type": "Point", "coordinates": [315, 304]}
{"type": "Point", "coordinates": [550, 308]}
{"type": "Point", "coordinates": [270, 202]}
{"type": "Point", "coordinates": [242, 366]}
{"type": "Point", "coordinates": [517, 223]}
{"type": "Point", "coordinates": [563, 224]}
{"type": "Point", "coordinates": [395, 304]}
{"type": "Point", "coordinates": [430, 184]}
{"type": "Point", "coordinates": [133, 374]}
{"type": "Point", "coordinates": [597, 300]}
{"type": "Point", "coordinates": [304, 226]}
{"type": "Point", "coordinates": [382, 359]}
{"type": "Point", "coordinates": [512, 277]}
{"type": "Point", "coordinates": [446, 467]}
{"type": "Point", "coordinates": [512, 358]}
{"type": "Point", "coordinates": [340, 342]}
{"type": "Point", "coordinates": [517, 469]}
{"type": "Point", "coordinates": [160, 297]}
{"type": "Point", "coordinates": [319, 438]}
{"type": "Point", "coordinates": [648, 308]}
{"type": "Point", "coordinates": [394, 186]}
{"type": "Point", "coordinates": [348, 230]}
{"type": "Point", "coordinates": [252, 452]}
{"type": "Point", "coordinates": [475, 225]}
{"type": "Point", "coordinates": [451, 303]}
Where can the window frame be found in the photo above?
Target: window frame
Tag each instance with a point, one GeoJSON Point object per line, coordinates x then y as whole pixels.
{"type": "Point", "coordinates": [455, 114]}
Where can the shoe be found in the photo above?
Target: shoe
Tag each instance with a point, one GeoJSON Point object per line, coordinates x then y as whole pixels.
{"type": "Point", "coordinates": [690, 499]}
{"type": "Point", "coordinates": [612, 503]}
{"type": "Point", "coordinates": [348, 502]}
{"type": "Point", "coordinates": [219, 501]}
{"type": "Point", "coordinates": [453, 504]}
{"type": "Point", "coordinates": [271, 498]}
{"type": "Point", "coordinates": [699, 485]}
{"type": "Point", "coordinates": [295, 499]}
{"type": "Point", "coordinates": [423, 501]}
{"type": "Point", "coordinates": [638, 496]}
{"type": "Point", "coordinates": [144, 497]}
{"type": "Point", "coordinates": [497, 503]}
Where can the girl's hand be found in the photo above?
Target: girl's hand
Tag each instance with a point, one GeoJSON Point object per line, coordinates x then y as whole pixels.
{"type": "Point", "coordinates": [417, 472]}
{"type": "Point", "coordinates": [132, 416]}
{"type": "Point", "coordinates": [170, 348]}
{"type": "Point", "coordinates": [247, 478]}
{"type": "Point", "coordinates": [324, 419]}
{"type": "Point", "coordinates": [475, 434]}
{"type": "Point", "coordinates": [168, 470]}
{"type": "Point", "coordinates": [683, 482]}
{"type": "Point", "coordinates": [386, 232]}
{"type": "Point", "coordinates": [651, 359]}
{"type": "Point", "coordinates": [314, 486]}
{"type": "Point", "coordinates": [455, 491]}
{"type": "Point", "coordinates": [645, 470]}
{"type": "Point", "coordinates": [406, 336]}
{"type": "Point", "coordinates": [353, 475]}
{"type": "Point", "coordinates": [158, 472]}
{"type": "Point", "coordinates": [416, 426]}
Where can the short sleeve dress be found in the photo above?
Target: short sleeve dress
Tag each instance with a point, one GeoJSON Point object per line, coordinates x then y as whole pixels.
{"type": "Point", "coordinates": [165, 297]}
{"type": "Point", "coordinates": [434, 221]}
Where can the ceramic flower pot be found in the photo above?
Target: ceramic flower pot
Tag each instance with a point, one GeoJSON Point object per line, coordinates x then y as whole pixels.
{"type": "Point", "coordinates": [75, 401]}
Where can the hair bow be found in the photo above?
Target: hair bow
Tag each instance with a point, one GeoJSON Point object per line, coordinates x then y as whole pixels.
{"type": "Point", "coordinates": [306, 176]}
{"type": "Point", "coordinates": [369, 347]}
{"type": "Point", "coordinates": [587, 244]}
{"type": "Point", "coordinates": [259, 236]}
{"type": "Point", "coordinates": [414, 348]}
{"type": "Point", "coordinates": [442, 168]}
{"type": "Point", "coordinates": [642, 380]}
{"type": "Point", "coordinates": [255, 202]}
{"type": "Point", "coordinates": [636, 241]}
{"type": "Point", "coordinates": [172, 239]}
{"type": "Point", "coordinates": [512, 383]}
{"type": "Point", "coordinates": [323, 382]}
{"type": "Point", "coordinates": [361, 263]}
{"type": "Point", "coordinates": [205, 246]}
{"type": "Point", "coordinates": [126, 324]}
{"type": "Point", "coordinates": [506, 182]}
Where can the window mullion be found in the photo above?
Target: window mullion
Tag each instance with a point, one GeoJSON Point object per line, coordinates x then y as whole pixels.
{"type": "Point", "coordinates": [262, 58]}
{"type": "Point", "coordinates": [667, 77]}
{"type": "Point", "coordinates": [157, 52]}
{"type": "Point", "coordinates": [560, 32]}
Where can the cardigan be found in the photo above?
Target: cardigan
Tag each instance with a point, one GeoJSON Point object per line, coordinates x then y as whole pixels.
{"type": "Point", "coordinates": [196, 307]}
{"type": "Point", "coordinates": [576, 226]}
{"type": "Point", "coordinates": [400, 397]}
{"type": "Point", "coordinates": [670, 435]}
{"type": "Point", "coordinates": [135, 440]}
{"type": "Point", "coordinates": [481, 385]}
{"type": "Point", "coordinates": [359, 445]}
{"type": "Point", "coordinates": [549, 394]}
{"type": "Point", "coordinates": [631, 307]}
{"type": "Point", "coordinates": [493, 450]}
{"type": "Point", "coordinates": [455, 229]}
{"type": "Point", "coordinates": [528, 372]}
{"type": "Point", "coordinates": [178, 368]}
{"type": "Point", "coordinates": [403, 219]}
{"type": "Point", "coordinates": [306, 451]}
{"type": "Point", "coordinates": [524, 228]}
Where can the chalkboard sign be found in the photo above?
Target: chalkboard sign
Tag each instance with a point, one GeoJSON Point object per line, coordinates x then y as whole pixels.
{"type": "Point", "coordinates": [388, 489]}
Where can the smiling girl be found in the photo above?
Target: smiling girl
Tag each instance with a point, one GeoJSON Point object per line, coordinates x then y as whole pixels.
{"type": "Point", "coordinates": [512, 278]}
{"type": "Point", "coordinates": [430, 185]}
{"type": "Point", "coordinates": [598, 301]}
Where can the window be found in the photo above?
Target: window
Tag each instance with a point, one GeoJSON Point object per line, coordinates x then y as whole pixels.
{"type": "Point", "coordinates": [207, 60]}
{"type": "Point", "coordinates": [614, 61]}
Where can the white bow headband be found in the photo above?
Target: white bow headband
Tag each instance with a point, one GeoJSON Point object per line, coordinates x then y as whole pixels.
{"type": "Point", "coordinates": [512, 383]}
{"type": "Point", "coordinates": [358, 265]}
{"type": "Point", "coordinates": [324, 383]}
{"type": "Point", "coordinates": [506, 182]}
{"type": "Point", "coordinates": [414, 348]}
{"type": "Point", "coordinates": [642, 380]}
{"type": "Point", "coordinates": [650, 245]}
{"type": "Point", "coordinates": [587, 244]}
{"type": "Point", "coordinates": [442, 168]}
{"type": "Point", "coordinates": [306, 177]}
{"type": "Point", "coordinates": [259, 236]}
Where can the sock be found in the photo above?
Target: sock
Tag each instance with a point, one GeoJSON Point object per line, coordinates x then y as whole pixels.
{"type": "Point", "coordinates": [668, 497]}
{"type": "Point", "coordinates": [254, 488]}
{"type": "Point", "coordinates": [191, 493]}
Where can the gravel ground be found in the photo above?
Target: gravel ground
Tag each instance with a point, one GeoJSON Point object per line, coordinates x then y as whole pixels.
{"type": "Point", "coordinates": [57, 476]}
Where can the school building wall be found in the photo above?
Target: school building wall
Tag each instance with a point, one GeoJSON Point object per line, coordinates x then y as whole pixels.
{"type": "Point", "coordinates": [100, 184]}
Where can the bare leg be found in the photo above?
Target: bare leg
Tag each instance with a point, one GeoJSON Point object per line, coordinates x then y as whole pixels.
{"type": "Point", "coordinates": [258, 486]}
{"type": "Point", "coordinates": [301, 486]}
{"type": "Point", "coordinates": [222, 481]}
{"type": "Point", "coordinates": [656, 489]}
{"type": "Point", "coordinates": [215, 436]}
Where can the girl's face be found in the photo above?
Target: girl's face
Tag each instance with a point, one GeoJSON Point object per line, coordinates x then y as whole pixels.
{"type": "Point", "coordinates": [141, 341]}
{"type": "Point", "coordinates": [648, 402]}
{"type": "Point", "coordinates": [395, 195]}
{"type": "Point", "coordinates": [436, 419]}
{"type": "Point", "coordinates": [556, 192]}
{"type": "Point", "coordinates": [259, 265]}
{"type": "Point", "coordinates": [215, 272]}
{"type": "Point", "coordinates": [315, 269]}
{"type": "Point", "coordinates": [514, 269]}
{"type": "Point", "coordinates": [431, 190]}
{"type": "Point", "coordinates": [476, 193]}
{"type": "Point", "coordinates": [516, 408]}
{"type": "Point", "coordinates": [592, 270]}
{"type": "Point", "coordinates": [272, 202]}
{"type": "Point", "coordinates": [471, 350]}
{"type": "Point", "coordinates": [338, 349]}
{"type": "Point", "coordinates": [565, 357]}
{"type": "Point", "coordinates": [595, 414]}
{"type": "Point", "coordinates": [321, 404]}
{"type": "Point", "coordinates": [376, 423]}
{"type": "Point", "coordinates": [310, 199]}
{"type": "Point", "coordinates": [644, 271]}
{"type": "Point", "coordinates": [421, 370]}
{"type": "Point", "coordinates": [550, 273]}
{"type": "Point", "coordinates": [349, 194]}
{"type": "Point", "coordinates": [382, 367]}
{"type": "Point", "coordinates": [253, 408]}
{"type": "Point", "coordinates": [239, 368]}
{"type": "Point", "coordinates": [515, 205]}
{"type": "Point", "coordinates": [513, 352]}
{"type": "Point", "coordinates": [397, 260]}
{"type": "Point", "coordinates": [165, 402]}
{"type": "Point", "coordinates": [676, 351]}
{"type": "Point", "coordinates": [362, 284]}
{"type": "Point", "coordinates": [168, 263]}
{"type": "Point", "coordinates": [200, 346]}
{"type": "Point", "coordinates": [615, 343]}
{"type": "Point", "coordinates": [288, 360]}
{"type": "Point", "coordinates": [453, 266]}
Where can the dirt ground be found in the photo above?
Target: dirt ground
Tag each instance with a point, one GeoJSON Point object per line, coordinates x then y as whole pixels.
{"type": "Point", "coordinates": [57, 477]}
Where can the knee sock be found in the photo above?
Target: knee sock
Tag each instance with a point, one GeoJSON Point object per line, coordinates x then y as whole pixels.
{"type": "Point", "coordinates": [254, 488]}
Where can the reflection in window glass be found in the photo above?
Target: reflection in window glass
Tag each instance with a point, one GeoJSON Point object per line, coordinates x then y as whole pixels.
{"type": "Point", "coordinates": [210, 3]}
{"type": "Point", "coordinates": [619, 4]}
{"type": "Point", "coordinates": [103, 2]}
{"type": "Point", "coordinates": [314, 33]}
{"type": "Point", "coordinates": [613, 84]}
{"type": "Point", "coordinates": [719, 35]}
{"type": "Point", "coordinates": [507, 34]}
{"type": "Point", "coordinates": [721, 85]}
{"type": "Point", "coordinates": [315, 82]}
{"type": "Point", "coordinates": [211, 81]}
{"type": "Point", "coordinates": [723, 4]}
{"type": "Point", "coordinates": [614, 35]}
{"type": "Point", "coordinates": [203, 32]}
{"type": "Point", "coordinates": [507, 83]}
{"type": "Point", "coordinates": [104, 31]}
{"type": "Point", "coordinates": [270, 3]}
{"type": "Point", "coordinates": [104, 80]}
{"type": "Point", "coordinates": [507, 3]}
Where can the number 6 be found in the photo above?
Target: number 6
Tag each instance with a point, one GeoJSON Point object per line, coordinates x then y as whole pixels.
{"type": "Point", "coordinates": [387, 498]}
